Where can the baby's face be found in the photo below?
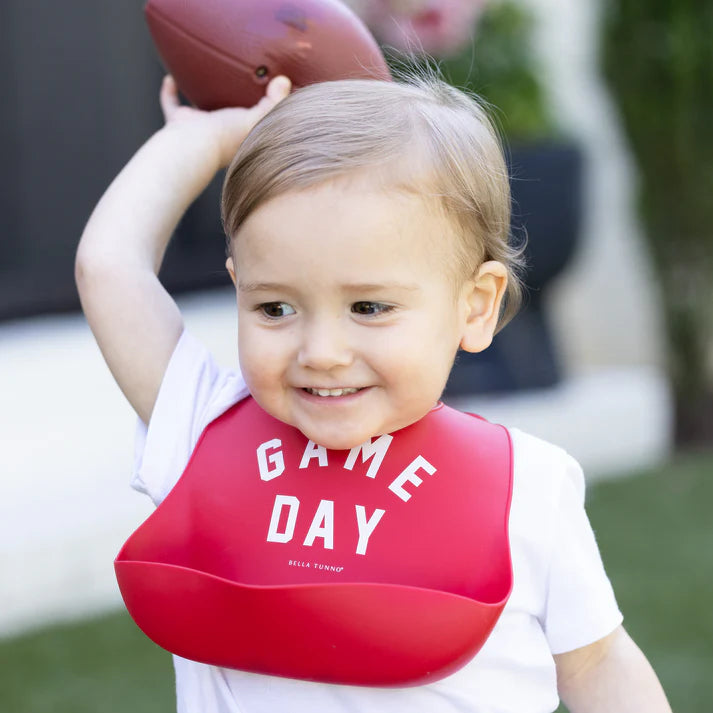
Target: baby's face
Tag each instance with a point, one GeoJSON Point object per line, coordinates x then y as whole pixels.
{"type": "Point", "coordinates": [349, 318]}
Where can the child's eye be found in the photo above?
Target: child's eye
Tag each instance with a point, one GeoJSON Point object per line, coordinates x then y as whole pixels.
{"type": "Point", "coordinates": [371, 308]}
{"type": "Point", "coordinates": [275, 310]}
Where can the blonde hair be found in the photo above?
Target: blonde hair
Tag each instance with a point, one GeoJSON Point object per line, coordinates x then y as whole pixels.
{"type": "Point", "coordinates": [422, 136]}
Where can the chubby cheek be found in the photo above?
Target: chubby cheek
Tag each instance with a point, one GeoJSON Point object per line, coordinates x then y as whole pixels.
{"type": "Point", "coordinates": [260, 364]}
{"type": "Point", "coordinates": [422, 379]}
{"type": "Point", "coordinates": [421, 361]}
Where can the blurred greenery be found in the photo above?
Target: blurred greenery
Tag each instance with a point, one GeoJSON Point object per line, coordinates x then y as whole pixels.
{"type": "Point", "coordinates": [656, 537]}
{"type": "Point", "coordinates": [502, 68]}
{"type": "Point", "coordinates": [658, 60]}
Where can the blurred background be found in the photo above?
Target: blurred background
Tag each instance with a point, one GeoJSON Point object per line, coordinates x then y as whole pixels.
{"type": "Point", "coordinates": [605, 107]}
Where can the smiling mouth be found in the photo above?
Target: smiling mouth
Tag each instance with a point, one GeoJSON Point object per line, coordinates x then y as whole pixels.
{"type": "Point", "coordinates": [332, 392]}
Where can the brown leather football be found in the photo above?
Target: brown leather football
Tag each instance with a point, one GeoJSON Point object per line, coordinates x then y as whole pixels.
{"type": "Point", "coordinates": [223, 52]}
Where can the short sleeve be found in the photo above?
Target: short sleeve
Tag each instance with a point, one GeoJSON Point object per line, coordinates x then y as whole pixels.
{"type": "Point", "coordinates": [581, 607]}
{"type": "Point", "coordinates": [195, 390]}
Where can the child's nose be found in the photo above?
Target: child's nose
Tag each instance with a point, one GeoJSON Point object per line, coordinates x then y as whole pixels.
{"type": "Point", "coordinates": [325, 345]}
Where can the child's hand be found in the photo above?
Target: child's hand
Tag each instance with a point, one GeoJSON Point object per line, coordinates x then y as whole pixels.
{"type": "Point", "coordinates": [228, 127]}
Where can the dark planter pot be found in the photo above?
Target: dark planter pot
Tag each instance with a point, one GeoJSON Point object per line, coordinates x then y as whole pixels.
{"type": "Point", "coordinates": [547, 192]}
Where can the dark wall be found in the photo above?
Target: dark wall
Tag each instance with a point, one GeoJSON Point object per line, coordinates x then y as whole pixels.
{"type": "Point", "coordinates": [78, 95]}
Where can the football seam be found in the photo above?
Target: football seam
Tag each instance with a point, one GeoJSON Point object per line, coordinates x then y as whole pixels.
{"type": "Point", "coordinates": [197, 40]}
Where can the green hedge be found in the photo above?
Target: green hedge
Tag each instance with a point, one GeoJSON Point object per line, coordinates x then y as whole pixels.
{"type": "Point", "coordinates": [658, 60]}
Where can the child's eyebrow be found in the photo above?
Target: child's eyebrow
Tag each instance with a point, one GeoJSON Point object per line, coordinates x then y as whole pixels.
{"type": "Point", "coordinates": [350, 287]}
{"type": "Point", "coordinates": [378, 287]}
{"type": "Point", "coordinates": [261, 287]}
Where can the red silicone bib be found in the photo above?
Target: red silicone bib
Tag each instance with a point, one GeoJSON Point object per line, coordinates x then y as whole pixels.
{"type": "Point", "coordinates": [386, 565]}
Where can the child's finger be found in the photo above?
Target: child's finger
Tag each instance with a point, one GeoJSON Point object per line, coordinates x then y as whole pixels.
{"type": "Point", "coordinates": [275, 92]}
{"type": "Point", "coordinates": [168, 97]}
{"type": "Point", "coordinates": [278, 88]}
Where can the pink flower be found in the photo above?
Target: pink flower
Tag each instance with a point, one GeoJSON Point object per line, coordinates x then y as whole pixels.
{"type": "Point", "coordinates": [439, 27]}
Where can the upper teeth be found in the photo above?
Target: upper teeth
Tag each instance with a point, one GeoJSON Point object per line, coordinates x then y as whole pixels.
{"type": "Point", "coordinates": [332, 392]}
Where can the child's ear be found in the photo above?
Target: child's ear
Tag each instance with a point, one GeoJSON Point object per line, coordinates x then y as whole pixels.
{"type": "Point", "coordinates": [230, 267]}
{"type": "Point", "coordinates": [483, 296]}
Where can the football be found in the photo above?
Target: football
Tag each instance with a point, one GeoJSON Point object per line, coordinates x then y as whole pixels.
{"type": "Point", "coordinates": [223, 52]}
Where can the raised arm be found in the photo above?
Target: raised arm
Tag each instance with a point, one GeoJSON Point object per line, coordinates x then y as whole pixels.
{"type": "Point", "coordinates": [135, 321]}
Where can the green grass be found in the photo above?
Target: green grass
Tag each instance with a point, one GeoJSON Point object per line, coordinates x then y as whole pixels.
{"type": "Point", "coordinates": [655, 531]}
{"type": "Point", "coordinates": [103, 665]}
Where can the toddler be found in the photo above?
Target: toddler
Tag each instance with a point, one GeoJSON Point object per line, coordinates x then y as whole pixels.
{"type": "Point", "coordinates": [367, 226]}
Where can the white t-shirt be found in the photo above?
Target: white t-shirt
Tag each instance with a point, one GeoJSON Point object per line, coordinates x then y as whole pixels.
{"type": "Point", "coordinates": [561, 598]}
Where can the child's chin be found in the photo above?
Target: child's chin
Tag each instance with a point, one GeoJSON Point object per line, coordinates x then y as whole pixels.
{"type": "Point", "coordinates": [338, 441]}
